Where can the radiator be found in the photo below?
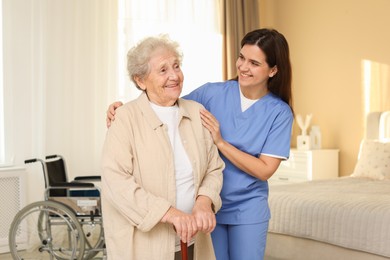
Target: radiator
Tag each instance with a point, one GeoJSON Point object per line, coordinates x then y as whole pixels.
{"type": "Point", "coordinates": [12, 199]}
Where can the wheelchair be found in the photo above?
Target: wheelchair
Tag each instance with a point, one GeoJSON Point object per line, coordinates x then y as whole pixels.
{"type": "Point", "coordinates": [67, 224]}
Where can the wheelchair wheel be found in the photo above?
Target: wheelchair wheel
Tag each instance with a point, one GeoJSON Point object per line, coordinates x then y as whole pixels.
{"type": "Point", "coordinates": [46, 228]}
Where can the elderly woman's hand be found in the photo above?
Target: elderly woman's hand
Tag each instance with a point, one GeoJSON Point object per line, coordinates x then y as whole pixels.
{"type": "Point", "coordinates": [183, 223]}
{"type": "Point", "coordinates": [111, 112]}
{"type": "Point", "coordinates": [204, 215]}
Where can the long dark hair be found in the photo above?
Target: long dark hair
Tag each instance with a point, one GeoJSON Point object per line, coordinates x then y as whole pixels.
{"type": "Point", "coordinates": [276, 50]}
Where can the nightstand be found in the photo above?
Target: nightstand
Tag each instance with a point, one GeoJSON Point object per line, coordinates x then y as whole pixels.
{"type": "Point", "coordinates": [307, 165]}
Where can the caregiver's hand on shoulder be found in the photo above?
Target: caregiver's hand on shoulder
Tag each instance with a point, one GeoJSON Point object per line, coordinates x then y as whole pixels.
{"type": "Point", "coordinates": [111, 112]}
{"type": "Point", "coordinates": [212, 124]}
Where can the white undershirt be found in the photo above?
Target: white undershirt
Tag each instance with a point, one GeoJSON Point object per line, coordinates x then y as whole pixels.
{"type": "Point", "coordinates": [185, 190]}
{"type": "Point", "coordinates": [246, 102]}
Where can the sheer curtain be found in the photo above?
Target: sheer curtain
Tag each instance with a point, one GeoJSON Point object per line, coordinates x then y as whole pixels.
{"type": "Point", "coordinates": [195, 24]}
{"type": "Point", "coordinates": [64, 63]}
{"type": "Point", "coordinates": [60, 75]}
{"type": "Point", "coordinates": [78, 75]}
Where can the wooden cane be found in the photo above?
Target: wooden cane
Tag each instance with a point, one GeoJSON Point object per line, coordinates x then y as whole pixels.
{"type": "Point", "coordinates": [184, 250]}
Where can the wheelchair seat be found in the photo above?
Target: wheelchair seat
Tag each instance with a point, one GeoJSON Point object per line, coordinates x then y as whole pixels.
{"type": "Point", "coordinates": [57, 176]}
{"type": "Point", "coordinates": [80, 194]}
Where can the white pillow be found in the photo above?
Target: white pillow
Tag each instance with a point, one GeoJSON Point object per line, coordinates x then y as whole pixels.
{"type": "Point", "coordinates": [374, 160]}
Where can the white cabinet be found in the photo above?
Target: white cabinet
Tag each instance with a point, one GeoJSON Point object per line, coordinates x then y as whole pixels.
{"type": "Point", "coordinates": [307, 165]}
{"type": "Point", "coordinates": [12, 199]}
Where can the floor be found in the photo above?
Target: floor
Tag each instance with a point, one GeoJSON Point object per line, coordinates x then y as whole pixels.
{"type": "Point", "coordinates": [8, 257]}
{"type": "Point", "coordinates": [36, 257]}
{"type": "Point", "coordinates": [41, 256]}
{"type": "Point", "coordinates": [5, 257]}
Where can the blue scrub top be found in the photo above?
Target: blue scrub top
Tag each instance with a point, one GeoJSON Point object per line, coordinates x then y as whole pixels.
{"type": "Point", "coordinates": [264, 128]}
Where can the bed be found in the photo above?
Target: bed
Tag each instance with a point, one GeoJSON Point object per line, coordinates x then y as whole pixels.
{"type": "Point", "coordinates": [341, 218]}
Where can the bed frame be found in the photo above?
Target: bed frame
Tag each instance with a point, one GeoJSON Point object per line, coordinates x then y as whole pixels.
{"type": "Point", "coordinates": [284, 247]}
{"type": "Point", "coordinates": [280, 246]}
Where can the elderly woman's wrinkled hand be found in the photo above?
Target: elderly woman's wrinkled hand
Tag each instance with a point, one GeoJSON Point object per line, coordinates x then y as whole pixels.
{"type": "Point", "coordinates": [183, 223]}
{"type": "Point", "coordinates": [204, 215]}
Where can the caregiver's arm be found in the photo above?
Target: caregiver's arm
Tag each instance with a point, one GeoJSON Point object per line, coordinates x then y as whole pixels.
{"type": "Point", "coordinates": [262, 167]}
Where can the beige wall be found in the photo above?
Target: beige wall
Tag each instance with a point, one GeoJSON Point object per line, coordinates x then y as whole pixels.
{"type": "Point", "coordinates": [330, 41]}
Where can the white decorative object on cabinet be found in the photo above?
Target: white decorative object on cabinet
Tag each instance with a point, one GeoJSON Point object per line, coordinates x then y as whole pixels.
{"type": "Point", "coordinates": [307, 165]}
{"type": "Point", "coordinates": [303, 140]}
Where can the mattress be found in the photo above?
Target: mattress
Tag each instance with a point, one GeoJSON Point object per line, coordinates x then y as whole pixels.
{"type": "Point", "coordinates": [349, 212]}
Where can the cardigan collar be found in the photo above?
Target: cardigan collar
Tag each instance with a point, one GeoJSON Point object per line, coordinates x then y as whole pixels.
{"type": "Point", "coordinates": [143, 103]}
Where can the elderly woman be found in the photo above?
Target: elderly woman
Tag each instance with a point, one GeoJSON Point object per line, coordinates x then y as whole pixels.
{"type": "Point", "coordinates": [162, 173]}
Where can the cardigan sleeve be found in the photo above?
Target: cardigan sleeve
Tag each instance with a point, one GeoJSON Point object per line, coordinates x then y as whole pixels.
{"type": "Point", "coordinates": [211, 184]}
{"type": "Point", "coordinates": [130, 200]}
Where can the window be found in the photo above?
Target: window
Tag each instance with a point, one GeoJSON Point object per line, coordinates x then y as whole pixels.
{"type": "Point", "coordinates": [194, 24]}
{"type": "Point", "coordinates": [6, 135]}
{"type": "Point", "coordinates": [2, 130]}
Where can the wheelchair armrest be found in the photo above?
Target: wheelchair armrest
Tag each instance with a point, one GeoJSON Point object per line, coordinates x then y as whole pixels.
{"type": "Point", "coordinates": [65, 185]}
{"type": "Point", "coordinates": [88, 178]}
{"type": "Point", "coordinates": [30, 161]}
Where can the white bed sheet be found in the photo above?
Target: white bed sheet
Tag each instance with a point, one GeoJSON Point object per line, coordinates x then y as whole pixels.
{"type": "Point", "coordinates": [347, 211]}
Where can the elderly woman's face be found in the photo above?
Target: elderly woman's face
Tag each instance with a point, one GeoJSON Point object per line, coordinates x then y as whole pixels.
{"type": "Point", "coordinates": [164, 83]}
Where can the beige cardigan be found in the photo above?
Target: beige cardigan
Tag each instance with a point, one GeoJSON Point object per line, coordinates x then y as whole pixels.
{"type": "Point", "coordinates": [138, 180]}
